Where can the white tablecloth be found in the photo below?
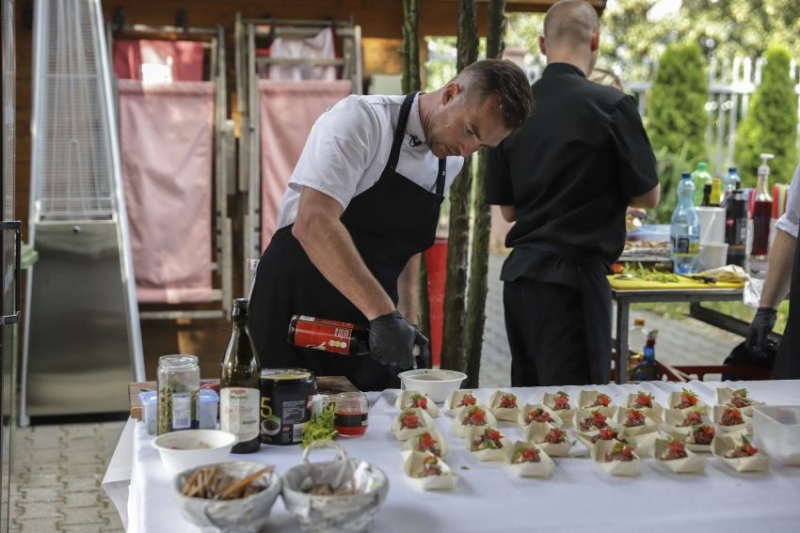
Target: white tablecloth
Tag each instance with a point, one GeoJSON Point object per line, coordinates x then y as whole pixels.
{"type": "Point", "coordinates": [488, 497]}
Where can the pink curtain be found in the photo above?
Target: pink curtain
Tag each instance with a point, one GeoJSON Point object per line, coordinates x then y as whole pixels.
{"type": "Point", "coordinates": [288, 110]}
{"type": "Point", "coordinates": [166, 151]}
{"type": "Point", "coordinates": [183, 59]}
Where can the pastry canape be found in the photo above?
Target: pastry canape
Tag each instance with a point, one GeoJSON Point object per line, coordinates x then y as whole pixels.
{"type": "Point", "coordinates": [426, 441]}
{"type": "Point", "coordinates": [411, 398]}
{"type": "Point", "coordinates": [674, 455]}
{"type": "Point", "coordinates": [504, 406]}
{"type": "Point", "coordinates": [529, 460]}
{"type": "Point", "coordinates": [410, 421]}
{"type": "Point", "coordinates": [429, 472]}
{"type": "Point", "coordinates": [560, 404]}
{"type": "Point", "coordinates": [737, 452]}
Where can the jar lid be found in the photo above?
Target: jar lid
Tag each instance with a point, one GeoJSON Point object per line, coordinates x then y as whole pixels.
{"type": "Point", "coordinates": [177, 361]}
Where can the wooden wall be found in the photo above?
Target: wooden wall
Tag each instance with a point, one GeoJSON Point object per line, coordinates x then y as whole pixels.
{"type": "Point", "coordinates": [381, 24]}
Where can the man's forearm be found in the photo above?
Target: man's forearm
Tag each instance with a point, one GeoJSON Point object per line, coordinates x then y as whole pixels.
{"type": "Point", "coordinates": [779, 271]}
{"type": "Point", "coordinates": [331, 249]}
{"type": "Point", "coordinates": [408, 290]}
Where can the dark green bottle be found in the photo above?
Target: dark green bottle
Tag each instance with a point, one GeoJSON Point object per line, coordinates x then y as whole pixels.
{"type": "Point", "coordinates": [239, 384]}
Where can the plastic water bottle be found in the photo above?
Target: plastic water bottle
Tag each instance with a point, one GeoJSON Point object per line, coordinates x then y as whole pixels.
{"type": "Point", "coordinates": [637, 338]}
{"type": "Point", "coordinates": [730, 183]}
{"type": "Point", "coordinates": [700, 177]}
{"type": "Point", "coordinates": [647, 370]}
{"type": "Point", "coordinates": [685, 229]}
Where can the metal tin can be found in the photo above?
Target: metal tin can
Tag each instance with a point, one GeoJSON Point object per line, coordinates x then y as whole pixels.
{"type": "Point", "coordinates": [286, 396]}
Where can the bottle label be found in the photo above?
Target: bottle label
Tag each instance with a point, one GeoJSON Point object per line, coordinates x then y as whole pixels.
{"type": "Point", "coordinates": [685, 245]}
{"type": "Point", "coordinates": [239, 412]}
{"type": "Point", "coordinates": [326, 335]}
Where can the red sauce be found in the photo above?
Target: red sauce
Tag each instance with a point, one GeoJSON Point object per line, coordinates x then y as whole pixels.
{"type": "Point", "coordinates": [350, 422]}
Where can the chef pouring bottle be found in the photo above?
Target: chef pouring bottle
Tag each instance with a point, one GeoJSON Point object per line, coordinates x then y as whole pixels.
{"type": "Point", "coordinates": [239, 384]}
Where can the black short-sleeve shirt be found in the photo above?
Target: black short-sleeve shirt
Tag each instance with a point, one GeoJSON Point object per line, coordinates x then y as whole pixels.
{"type": "Point", "coordinates": [572, 169]}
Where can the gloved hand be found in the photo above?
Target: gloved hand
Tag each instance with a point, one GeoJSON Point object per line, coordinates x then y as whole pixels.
{"type": "Point", "coordinates": [759, 328]}
{"type": "Point", "coordinates": [391, 340]}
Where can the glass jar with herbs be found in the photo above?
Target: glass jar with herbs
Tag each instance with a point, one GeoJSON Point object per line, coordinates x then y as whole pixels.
{"type": "Point", "coordinates": [178, 392]}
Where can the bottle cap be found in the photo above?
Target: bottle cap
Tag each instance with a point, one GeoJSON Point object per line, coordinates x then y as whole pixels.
{"type": "Point", "coordinates": [702, 165]}
{"type": "Point", "coordinates": [686, 176]}
{"type": "Point", "coordinates": [731, 170]}
{"type": "Point", "coordinates": [638, 322]}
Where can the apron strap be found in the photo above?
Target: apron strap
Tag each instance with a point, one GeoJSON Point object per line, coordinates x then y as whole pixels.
{"type": "Point", "coordinates": [400, 131]}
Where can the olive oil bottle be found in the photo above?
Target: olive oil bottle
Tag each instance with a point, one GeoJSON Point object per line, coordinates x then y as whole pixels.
{"type": "Point", "coordinates": [239, 384]}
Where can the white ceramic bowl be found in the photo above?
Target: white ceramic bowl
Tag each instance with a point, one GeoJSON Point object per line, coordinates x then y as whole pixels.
{"type": "Point", "coordinates": [243, 515]}
{"type": "Point", "coordinates": [181, 450]}
{"type": "Point", "coordinates": [437, 384]}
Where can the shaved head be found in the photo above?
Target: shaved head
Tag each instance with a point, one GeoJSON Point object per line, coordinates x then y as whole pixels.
{"type": "Point", "coordinates": [570, 23]}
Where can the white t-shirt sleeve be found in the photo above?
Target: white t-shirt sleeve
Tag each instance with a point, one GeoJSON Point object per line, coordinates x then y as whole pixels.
{"type": "Point", "coordinates": [790, 220]}
{"type": "Point", "coordinates": [340, 147]}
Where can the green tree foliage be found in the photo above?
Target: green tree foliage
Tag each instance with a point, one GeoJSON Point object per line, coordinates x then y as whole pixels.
{"type": "Point", "coordinates": [771, 123]}
{"type": "Point", "coordinates": [676, 116]}
{"type": "Point", "coordinates": [634, 29]}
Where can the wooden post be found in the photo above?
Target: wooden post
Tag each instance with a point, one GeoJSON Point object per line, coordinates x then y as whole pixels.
{"type": "Point", "coordinates": [482, 223]}
{"type": "Point", "coordinates": [453, 354]}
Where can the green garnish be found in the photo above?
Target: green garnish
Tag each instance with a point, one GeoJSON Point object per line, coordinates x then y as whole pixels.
{"type": "Point", "coordinates": [320, 427]}
{"type": "Point", "coordinates": [465, 467]}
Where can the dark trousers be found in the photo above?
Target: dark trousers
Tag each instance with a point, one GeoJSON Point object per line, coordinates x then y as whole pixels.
{"type": "Point", "coordinates": [546, 334]}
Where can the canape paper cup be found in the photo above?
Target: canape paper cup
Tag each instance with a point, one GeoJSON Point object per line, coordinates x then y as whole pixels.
{"type": "Point", "coordinates": [675, 400]}
{"type": "Point", "coordinates": [744, 427]}
{"type": "Point", "coordinates": [583, 414]}
{"type": "Point", "coordinates": [691, 464]}
{"type": "Point", "coordinates": [643, 443]}
{"type": "Point", "coordinates": [406, 433]}
{"type": "Point", "coordinates": [543, 468]}
{"type": "Point", "coordinates": [675, 417]}
{"type": "Point", "coordinates": [523, 412]}
{"type": "Point", "coordinates": [404, 401]}
{"type": "Point", "coordinates": [587, 397]}
{"type": "Point", "coordinates": [503, 413]}
{"type": "Point", "coordinates": [621, 416]}
{"type": "Point", "coordinates": [722, 444]}
{"type": "Point", "coordinates": [615, 468]}
{"type": "Point", "coordinates": [451, 403]}
{"type": "Point", "coordinates": [536, 433]}
{"type": "Point", "coordinates": [678, 434]}
{"type": "Point", "coordinates": [411, 444]}
{"type": "Point", "coordinates": [656, 412]}
{"type": "Point", "coordinates": [585, 437]}
{"type": "Point", "coordinates": [460, 428]}
{"type": "Point", "coordinates": [566, 414]}
{"type": "Point", "coordinates": [414, 466]}
{"type": "Point", "coordinates": [725, 396]}
{"type": "Point", "coordinates": [488, 454]}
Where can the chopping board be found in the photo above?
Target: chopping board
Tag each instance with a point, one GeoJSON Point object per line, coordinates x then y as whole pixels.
{"type": "Point", "coordinates": [633, 284]}
{"type": "Point", "coordinates": [327, 385]}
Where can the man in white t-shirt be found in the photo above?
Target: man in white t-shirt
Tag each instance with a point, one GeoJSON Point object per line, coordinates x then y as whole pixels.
{"type": "Point", "coordinates": [780, 276]}
{"type": "Point", "coordinates": [362, 203]}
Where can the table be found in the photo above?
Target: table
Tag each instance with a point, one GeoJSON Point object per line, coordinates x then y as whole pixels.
{"type": "Point", "coordinates": [624, 299]}
{"type": "Point", "coordinates": [488, 497]}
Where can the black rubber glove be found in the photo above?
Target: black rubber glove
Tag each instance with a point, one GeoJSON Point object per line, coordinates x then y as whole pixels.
{"type": "Point", "coordinates": [759, 328]}
{"type": "Point", "coordinates": [391, 340]}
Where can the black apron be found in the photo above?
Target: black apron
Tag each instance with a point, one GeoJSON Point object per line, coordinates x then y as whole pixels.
{"type": "Point", "coordinates": [787, 362]}
{"type": "Point", "coordinates": [389, 223]}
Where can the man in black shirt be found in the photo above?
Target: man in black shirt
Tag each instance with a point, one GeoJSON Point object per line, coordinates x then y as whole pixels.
{"type": "Point", "coordinates": [567, 178]}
